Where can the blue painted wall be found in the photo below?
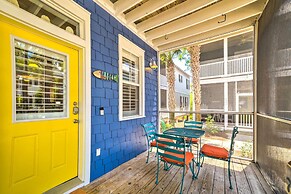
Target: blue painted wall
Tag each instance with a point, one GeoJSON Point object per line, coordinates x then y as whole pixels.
{"type": "Point", "coordinates": [119, 141]}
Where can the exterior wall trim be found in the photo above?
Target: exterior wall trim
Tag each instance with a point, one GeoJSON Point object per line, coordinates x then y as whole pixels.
{"type": "Point", "coordinates": [64, 6]}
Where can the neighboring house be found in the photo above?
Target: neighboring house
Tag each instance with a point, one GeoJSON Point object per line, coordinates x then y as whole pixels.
{"type": "Point", "coordinates": [182, 89]}
{"type": "Point", "coordinates": [227, 81]}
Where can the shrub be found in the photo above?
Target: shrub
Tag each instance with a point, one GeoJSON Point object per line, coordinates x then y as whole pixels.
{"type": "Point", "coordinates": [247, 149]}
{"type": "Point", "coordinates": [210, 125]}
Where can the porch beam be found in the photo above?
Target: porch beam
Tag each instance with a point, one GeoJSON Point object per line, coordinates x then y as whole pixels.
{"type": "Point", "coordinates": [222, 7]}
{"type": "Point", "coordinates": [173, 13]}
{"type": "Point", "coordinates": [123, 5]}
{"type": "Point", "coordinates": [211, 35]}
{"type": "Point", "coordinates": [146, 9]}
{"type": "Point", "coordinates": [106, 4]}
{"type": "Point", "coordinates": [232, 17]}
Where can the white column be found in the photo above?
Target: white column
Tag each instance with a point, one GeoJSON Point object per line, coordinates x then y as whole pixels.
{"type": "Point", "coordinates": [255, 90]}
{"type": "Point", "coordinates": [225, 56]}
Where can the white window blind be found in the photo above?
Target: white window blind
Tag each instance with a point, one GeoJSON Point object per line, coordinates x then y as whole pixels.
{"type": "Point", "coordinates": [131, 84]}
{"type": "Point", "coordinates": [40, 82]}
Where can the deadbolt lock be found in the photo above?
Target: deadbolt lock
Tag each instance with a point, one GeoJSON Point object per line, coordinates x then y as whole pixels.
{"type": "Point", "coordinates": [76, 121]}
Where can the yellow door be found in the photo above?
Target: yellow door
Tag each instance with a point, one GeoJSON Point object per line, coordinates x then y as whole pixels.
{"type": "Point", "coordinates": [38, 91]}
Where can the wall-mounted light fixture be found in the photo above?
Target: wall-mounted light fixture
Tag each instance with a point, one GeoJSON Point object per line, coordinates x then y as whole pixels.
{"type": "Point", "coordinates": [152, 65]}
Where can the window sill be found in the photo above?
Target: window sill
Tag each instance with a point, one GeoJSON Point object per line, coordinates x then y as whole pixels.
{"type": "Point", "coordinates": [131, 117]}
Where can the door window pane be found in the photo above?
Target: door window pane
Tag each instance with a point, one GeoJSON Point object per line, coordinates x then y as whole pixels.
{"type": "Point", "coordinates": [40, 82]}
{"type": "Point", "coordinates": [51, 15]}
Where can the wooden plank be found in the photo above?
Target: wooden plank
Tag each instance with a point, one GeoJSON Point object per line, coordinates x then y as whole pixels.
{"type": "Point", "coordinates": [207, 183]}
{"type": "Point", "coordinates": [261, 179]}
{"type": "Point", "coordinates": [195, 187]}
{"type": "Point", "coordinates": [195, 18]}
{"type": "Point", "coordinates": [146, 9]}
{"type": "Point", "coordinates": [175, 184]}
{"type": "Point", "coordinates": [218, 182]}
{"type": "Point", "coordinates": [151, 183]}
{"type": "Point", "coordinates": [171, 14]}
{"type": "Point", "coordinates": [242, 183]}
{"type": "Point", "coordinates": [122, 5]}
{"type": "Point", "coordinates": [232, 17]}
{"type": "Point", "coordinates": [121, 177]}
{"type": "Point", "coordinates": [213, 34]}
{"type": "Point", "coordinates": [254, 183]}
{"type": "Point", "coordinates": [163, 183]}
{"type": "Point", "coordinates": [137, 178]}
{"type": "Point", "coordinates": [112, 173]}
{"type": "Point", "coordinates": [227, 190]}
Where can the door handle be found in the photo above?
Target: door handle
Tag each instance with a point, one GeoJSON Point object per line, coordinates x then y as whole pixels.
{"type": "Point", "coordinates": [75, 108]}
{"type": "Point", "coordinates": [75, 121]}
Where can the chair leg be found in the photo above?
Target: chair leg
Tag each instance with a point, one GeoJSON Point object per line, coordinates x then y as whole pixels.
{"type": "Point", "coordinates": [202, 160]}
{"type": "Point", "coordinates": [197, 150]}
{"type": "Point", "coordinates": [229, 175]}
{"type": "Point", "coordinates": [158, 169]}
{"type": "Point", "coordinates": [148, 156]}
{"type": "Point", "coordinates": [181, 190]}
{"type": "Point", "coordinates": [192, 168]}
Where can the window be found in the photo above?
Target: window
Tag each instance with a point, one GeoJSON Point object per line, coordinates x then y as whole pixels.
{"type": "Point", "coordinates": [180, 78]}
{"type": "Point", "coordinates": [187, 84]}
{"type": "Point", "coordinates": [131, 85]}
{"type": "Point", "coordinates": [40, 82]}
{"type": "Point", "coordinates": [163, 69]}
{"type": "Point", "coordinates": [51, 15]}
{"type": "Point", "coordinates": [163, 99]}
{"type": "Point", "coordinates": [186, 102]}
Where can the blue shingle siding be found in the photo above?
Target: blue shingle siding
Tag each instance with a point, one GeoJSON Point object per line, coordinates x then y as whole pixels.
{"type": "Point", "coordinates": [119, 141]}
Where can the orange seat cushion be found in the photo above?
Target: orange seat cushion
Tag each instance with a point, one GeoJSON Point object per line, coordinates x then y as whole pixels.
{"type": "Point", "coordinates": [214, 151]}
{"type": "Point", "coordinates": [192, 140]}
{"type": "Point", "coordinates": [188, 158]}
{"type": "Point", "coordinates": [154, 143]}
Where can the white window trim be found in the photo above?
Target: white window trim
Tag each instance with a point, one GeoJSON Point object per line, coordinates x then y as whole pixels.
{"type": "Point", "coordinates": [124, 43]}
{"type": "Point", "coordinates": [71, 9]}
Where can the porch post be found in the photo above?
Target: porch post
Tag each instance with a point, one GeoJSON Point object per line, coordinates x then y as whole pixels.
{"type": "Point", "coordinates": [225, 54]}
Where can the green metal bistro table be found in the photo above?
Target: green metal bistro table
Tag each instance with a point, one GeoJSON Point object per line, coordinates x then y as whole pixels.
{"type": "Point", "coordinates": [190, 133]}
{"type": "Point", "coordinates": [185, 132]}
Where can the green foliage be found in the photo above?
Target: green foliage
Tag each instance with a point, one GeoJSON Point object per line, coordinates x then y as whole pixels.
{"type": "Point", "coordinates": [247, 150]}
{"type": "Point", "coordinates": [165, 126]}
{"type": "Point", "coordinates": [180, 54]}
{"type": "Point", "coordinates": [191, 106]}
{"type": "Point", "coordinates": [210, 125]}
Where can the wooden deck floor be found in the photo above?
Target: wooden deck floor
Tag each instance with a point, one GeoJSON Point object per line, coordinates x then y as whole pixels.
{"type": "Point", "coordinates": [135, 176]}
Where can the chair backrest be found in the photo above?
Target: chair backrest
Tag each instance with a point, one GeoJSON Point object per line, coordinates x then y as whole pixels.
{"type": "Point", "coordinates": [193, 124]}
{"type": "Point", "coordinates": [169, 149]}
{"type": "Point", "coordinates": [150, 131]}
{"type": "Point", "coordinates": [234, 133]}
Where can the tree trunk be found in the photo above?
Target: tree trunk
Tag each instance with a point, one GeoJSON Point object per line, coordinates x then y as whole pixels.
{"type": "Point", "coordinates": [171, 90]}
{"type": "Point", "coordinates": [194, 52]}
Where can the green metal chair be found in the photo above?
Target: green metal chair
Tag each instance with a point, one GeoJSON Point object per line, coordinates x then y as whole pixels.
{"type": "Point", "coordinates": [174, 153]}
{"type": "Point", "coordinates": [220, 153]}
{"type": "Point", "coordinates": [193, 141]}
{"type": "Point", "coordinates": [150, 131]}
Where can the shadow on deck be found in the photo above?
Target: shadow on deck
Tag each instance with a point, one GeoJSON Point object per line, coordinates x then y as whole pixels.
{"type": "Point", "coordinates": [135, 176]}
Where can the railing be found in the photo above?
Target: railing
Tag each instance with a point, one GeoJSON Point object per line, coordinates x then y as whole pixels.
{"type": "Point", "coordinates": [212, 69]}
{"type": "Point", "coordinates": [245, 120]}
{"type": "Point", "coordinates": [234, 66]}
{"type": "Point", "coordinates": [218, 126]}
{"type": "Point", "coordinates": [240, 65]}
{"type": "Point", "coordinates": [240, 119]}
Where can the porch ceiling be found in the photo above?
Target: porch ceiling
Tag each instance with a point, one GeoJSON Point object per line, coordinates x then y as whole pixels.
{"type": "Point", "coordinates": [168, 24]}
